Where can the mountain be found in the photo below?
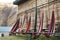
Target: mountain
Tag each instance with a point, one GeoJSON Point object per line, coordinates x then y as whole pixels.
{"type": "Point", "coordinates": [8, 14]}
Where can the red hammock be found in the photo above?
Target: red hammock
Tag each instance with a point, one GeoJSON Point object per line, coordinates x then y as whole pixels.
{"type": "Point", "coordinates": [28, 25]}
{"type": "Point", "coordinates": [40, 26]}
{"type": "Point", "coordinates": [22, 23]}
{"type": "Point", "coordinates": [24, 19]}
{"type": "Point", "coordinates": [15, 27]}
{"type": "Point", "coordinates": [52, 24]}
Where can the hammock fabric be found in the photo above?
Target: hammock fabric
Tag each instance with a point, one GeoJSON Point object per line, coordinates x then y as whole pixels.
{"type": "Point", "coordinates": [52, 24]}
{"type": "Point", "coordinates": [15, 27]}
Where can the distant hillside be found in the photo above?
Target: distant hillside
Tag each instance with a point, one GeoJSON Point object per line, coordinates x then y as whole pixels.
{"type": "Point", "coordinates": [8, 14]}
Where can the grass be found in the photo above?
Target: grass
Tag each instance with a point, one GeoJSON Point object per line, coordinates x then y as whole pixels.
{"type": "Point", "coordinates": [12, 38]}
{"type": "Point", "coordinates": [17, 37]}
{"type": "Point", "coordinates": [25, 37]}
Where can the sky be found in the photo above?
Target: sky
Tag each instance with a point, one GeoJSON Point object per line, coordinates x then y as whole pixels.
{"type": "Point", "coordinates": [7, 1]}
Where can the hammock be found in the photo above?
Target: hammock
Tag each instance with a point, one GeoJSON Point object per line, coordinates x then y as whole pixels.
{"type": "Point", "coordinates": [22, 23]}
{"type": "Point", "coordinates": [15, 27]}
{"type": "Point", "coordinates": [24, 19]}
{"type": "Point", "coordinates": [28, 25]}
{"type": "Point", "coordinates": [40, 26]}
{"type": "Point", "coordinates": [51, 30]}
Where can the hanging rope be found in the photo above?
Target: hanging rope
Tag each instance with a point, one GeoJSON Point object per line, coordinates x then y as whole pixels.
{"type": "Point", "coordinates": [16, 26]}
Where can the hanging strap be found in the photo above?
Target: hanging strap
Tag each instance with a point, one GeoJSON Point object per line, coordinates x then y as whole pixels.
{"type": "Point", "coordinates": [15, 27]}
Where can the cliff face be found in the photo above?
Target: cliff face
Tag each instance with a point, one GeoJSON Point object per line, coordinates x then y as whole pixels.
{"type": "Point", "coordinates": [8, 14]}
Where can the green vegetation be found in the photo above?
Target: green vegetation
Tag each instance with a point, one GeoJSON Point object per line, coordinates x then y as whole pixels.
{"type": "Point", "coordinates": [26, 37]}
